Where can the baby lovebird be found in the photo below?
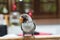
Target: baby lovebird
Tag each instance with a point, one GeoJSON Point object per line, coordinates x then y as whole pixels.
{"type": "Point", "coordinates": [27, 24]}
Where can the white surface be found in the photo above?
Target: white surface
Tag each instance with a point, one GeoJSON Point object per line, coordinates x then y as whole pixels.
{"type": "Point", "coordinates": [2, 21]}
{"type": "Point", "coordinates": [54, 29]}
{"type": "Point", "coordinates": [14, 30]}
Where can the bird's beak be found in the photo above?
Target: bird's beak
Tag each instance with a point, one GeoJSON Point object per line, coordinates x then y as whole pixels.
{"type": "Point", "coordinates": [21, 20]}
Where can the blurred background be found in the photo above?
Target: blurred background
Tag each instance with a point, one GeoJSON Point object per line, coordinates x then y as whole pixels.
{"type": "Point", "coordinates": [42, 10]}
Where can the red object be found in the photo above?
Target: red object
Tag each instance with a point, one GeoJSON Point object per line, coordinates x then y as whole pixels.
{"type": "Point", "coordinates": [30, 13]}
{"type": "Point", "coordinates": [41, 33]}
{"type": "Point", "coordinates": [14, 7]}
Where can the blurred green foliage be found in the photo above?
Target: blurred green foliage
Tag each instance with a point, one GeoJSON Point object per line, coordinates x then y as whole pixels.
{"type": "Point", "coordinates": [48, 6]}
{"type": "Point", "coordinates": [27, 0]}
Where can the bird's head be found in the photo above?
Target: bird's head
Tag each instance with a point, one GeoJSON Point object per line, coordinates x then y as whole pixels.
{"type": "Point", "coordinates": [23, 19]}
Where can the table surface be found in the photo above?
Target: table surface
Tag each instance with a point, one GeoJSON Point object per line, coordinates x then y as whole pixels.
{"type": "Point", "coordinates": [36, 36]}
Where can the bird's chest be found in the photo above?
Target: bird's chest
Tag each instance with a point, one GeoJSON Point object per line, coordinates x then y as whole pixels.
{"type": "Point", "coordinates": [27, 26]}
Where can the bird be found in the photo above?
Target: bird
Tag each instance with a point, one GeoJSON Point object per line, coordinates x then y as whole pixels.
{"type": "Point", "coordinates": [27, 24]}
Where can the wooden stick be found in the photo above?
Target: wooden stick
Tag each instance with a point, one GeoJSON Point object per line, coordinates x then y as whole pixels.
{"type": "Point", "coordinates": [6, 19]}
